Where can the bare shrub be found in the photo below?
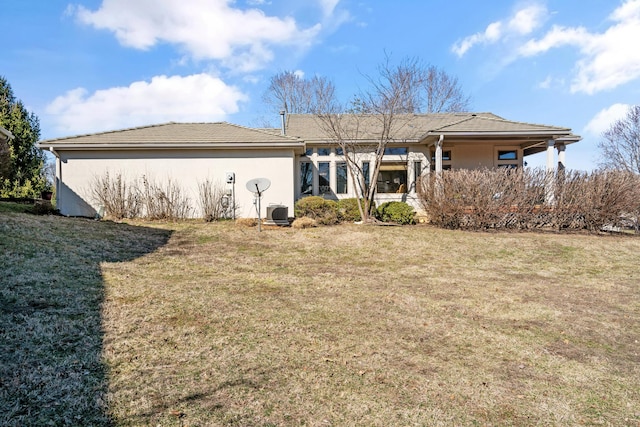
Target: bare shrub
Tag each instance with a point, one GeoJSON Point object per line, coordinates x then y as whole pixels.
{"type": "Point", "coordinates": [212, 196]}
{"type": "Point", "coordinates": [246, 222]}
{"type": "Point", "coordinates": [164, 201]}
{"type": "Point", "coordinates": [304, 222]}
{"type": "Point", "coordinates": [526, 199]}
{"type": "Point", "coordinates": [595, 200]}
{"type": "Point", "coordinates": [484, 199]}
{"type": "Point", "coordinates": [118, 198]}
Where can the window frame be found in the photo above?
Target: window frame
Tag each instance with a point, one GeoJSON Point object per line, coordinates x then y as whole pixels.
{"type": "Point", "coordinates": [324, 189]}
{"type": "Point", "coordinates": [508, 162]}
{"type": "Point", "coordinates": [342, 181]}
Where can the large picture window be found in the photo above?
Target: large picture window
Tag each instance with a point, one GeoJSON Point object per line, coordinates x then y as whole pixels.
{"type": "Point", "coordinates": [306, 178]}
{"type": "Point", "coordinates": [324, 183]}
{"type": "Point", "coordinates": [392, 178]}
{"type": "Point", "coordinates": [341, 177]}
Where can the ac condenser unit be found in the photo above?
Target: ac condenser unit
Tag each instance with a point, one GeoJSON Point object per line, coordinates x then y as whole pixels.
{"type": "Point", "coordinates": [277, 215]}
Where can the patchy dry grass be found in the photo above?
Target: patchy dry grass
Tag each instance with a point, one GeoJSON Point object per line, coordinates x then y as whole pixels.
{"type": "Point", "coordinates": [349, 325]}
{"type": "Point", "coordinates": [51, 293]}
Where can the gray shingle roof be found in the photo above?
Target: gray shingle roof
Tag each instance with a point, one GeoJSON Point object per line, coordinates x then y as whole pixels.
{"type": "Point", "coordinates": [417, 127]}
{"type": "Point", "coordinates": [177, 134]}
{"type": "Point", "coordinates": [475, 123]}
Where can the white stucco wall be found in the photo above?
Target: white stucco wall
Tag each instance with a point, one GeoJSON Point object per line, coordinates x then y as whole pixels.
{"type": "Point", "coordinates": [78, 170]}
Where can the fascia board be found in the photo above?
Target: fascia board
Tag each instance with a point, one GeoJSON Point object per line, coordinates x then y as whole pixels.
{"type": "Point", "coordinates": [153, 146]}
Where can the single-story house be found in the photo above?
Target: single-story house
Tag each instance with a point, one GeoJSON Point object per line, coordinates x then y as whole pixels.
{"type": "Point", "coordinates": [302, 158]}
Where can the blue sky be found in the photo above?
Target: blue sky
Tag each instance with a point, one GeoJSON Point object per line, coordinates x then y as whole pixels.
{"type": "Point", "coordinates": [95, 65]}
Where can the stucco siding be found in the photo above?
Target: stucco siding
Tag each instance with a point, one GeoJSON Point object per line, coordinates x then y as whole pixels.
{"type": "Point", "coordinates": [472, 156]}
{"type": "Point", "coordinates": [187, 168]}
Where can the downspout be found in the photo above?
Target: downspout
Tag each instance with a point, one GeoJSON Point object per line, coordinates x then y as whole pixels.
{"type": "Point", "coordinates": [58, 176]}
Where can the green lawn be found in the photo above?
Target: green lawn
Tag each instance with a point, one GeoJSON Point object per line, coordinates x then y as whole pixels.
{"type": "Point", "coordinates": [214, 324]}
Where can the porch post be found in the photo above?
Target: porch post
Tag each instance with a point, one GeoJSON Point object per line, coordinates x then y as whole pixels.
{"type": "Point", "coordinates": [561, 147]}
{"type": "Point", "coordinates": [550, 178]}
{"type": "Point", "coordinates": [550, 146]}
{"type": "Point", "coordinates": [439, 155]}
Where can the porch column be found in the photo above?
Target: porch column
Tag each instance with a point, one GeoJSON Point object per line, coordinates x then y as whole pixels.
{"type": "Point", "coordinates": [550, 164]}
{"type": "Point", "coordinates": [561, 147]}
{"type": "Point", "coordinates": [439, 155]}
{"type": "Point", "coordinates": [550, 178]}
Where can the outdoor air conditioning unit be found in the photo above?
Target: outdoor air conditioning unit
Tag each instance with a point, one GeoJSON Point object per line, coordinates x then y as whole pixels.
{"type": "Point", "coordinates": [277, 215]}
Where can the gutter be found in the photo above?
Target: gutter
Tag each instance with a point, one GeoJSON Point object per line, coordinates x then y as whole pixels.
{"type": "Point", "coordinates": [170, 146]}
{"type": "Point", "coordinates": [58, 176]}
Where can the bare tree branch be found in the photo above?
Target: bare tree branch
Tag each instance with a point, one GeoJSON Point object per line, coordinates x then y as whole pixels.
{"type": "Point", "coordinates": [620, 144]}
{"type": "Point", "coordinates": [294, 94]}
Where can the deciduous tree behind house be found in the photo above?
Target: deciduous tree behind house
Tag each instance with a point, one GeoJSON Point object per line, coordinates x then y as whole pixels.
{"type": "Point", "coordinates": [397, 90]}
{"type": "Point", "coordinates": [384, 108]}
{"type": "Point", "coordinates": [620, 144]}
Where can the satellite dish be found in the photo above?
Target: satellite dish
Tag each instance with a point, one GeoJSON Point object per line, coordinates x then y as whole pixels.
{"type": "Point", "coordinates": [258, 185]}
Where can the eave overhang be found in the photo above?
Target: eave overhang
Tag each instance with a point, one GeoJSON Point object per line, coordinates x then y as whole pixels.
{"type": "Point", "coordinates": [297, 146]}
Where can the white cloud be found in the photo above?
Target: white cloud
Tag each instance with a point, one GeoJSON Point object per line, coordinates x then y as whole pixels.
{"type": "Point", "coordinates": [605, 118]}
{"type": "Point", "coordinates": [205, 29]}
{"type": "Point", "coordinates": [194, 98]}
{"type": "Point", "coordinates": [328, 6]}
{"type": "Point", "coordinates": [607, 60]}
{"type": "Point", "coordinates": [522, 22]}
{"type": "Point", "coordinates": [546, 83]}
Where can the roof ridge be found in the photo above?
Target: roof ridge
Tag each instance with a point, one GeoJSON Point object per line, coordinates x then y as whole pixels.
{"type": "Point", "coordinates": [264, 132]}
{"type": "Point", "coordinates": [465, 119]}
{"type": "Point", "coordinates": [474, 116]}
{"type": "Point", "coordinates": [522, 123]}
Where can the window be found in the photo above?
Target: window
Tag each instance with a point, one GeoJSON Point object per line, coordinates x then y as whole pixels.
{"type": "Point", "coordinates": [323, 178]}
{"type": "Point", "coordinates": [306, 178]}
{"type": "Point", "coordinates": [308, 152]}
{"type": "Point", "coordinates": [508, 155]}
{"type": "Point", "coordinates": [446, 160]}
{"type": "Point", "coordinates": [367, 175]}
{"type": "Point", "coordinates": [392, 178]}
{"type": "Point", "coordinates": [446, 156]}
{"type": "Point", "coordinates": [395, 151]}
{"type": "Point", "coordinates": [417, 171]}
{"type": "Point", "coordinates": [339, 151]}
{"type": "Point", "coordinates": [324, 151]}
{"type": "Point", "coordinates": [507, 158]}
{"type": "Point", "coordinates": [341, 177]}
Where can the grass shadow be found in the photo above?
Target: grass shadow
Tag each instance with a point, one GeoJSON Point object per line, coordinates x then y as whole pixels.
{"type": "Point", "coordinates": [51, 294]}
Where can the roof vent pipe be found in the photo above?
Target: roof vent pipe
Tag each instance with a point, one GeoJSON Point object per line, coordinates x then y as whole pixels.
{"type": "Point", "coordinates": [282, 122]}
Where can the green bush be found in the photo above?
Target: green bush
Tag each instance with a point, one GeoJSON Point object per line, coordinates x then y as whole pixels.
{"type": "Point", "coordinates": [398, 212]}
{"type": "Point", "coordinates": [348, 210]}
{"type": "Point", "coordinates": [323, 211]}
{"type": "Point", "coordinates": [30, 188]}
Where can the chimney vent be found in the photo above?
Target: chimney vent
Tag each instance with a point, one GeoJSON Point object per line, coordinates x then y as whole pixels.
{"type": "Point", "coordinates": [282, 122]}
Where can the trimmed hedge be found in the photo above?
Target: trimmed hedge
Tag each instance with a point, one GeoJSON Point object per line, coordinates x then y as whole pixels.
{"type": "Point", "coordinates": [324, 211]}
{"type": "Point", "coordinates": [348, 210]}
{"type": "Point", "coordinates": [398, 212]}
